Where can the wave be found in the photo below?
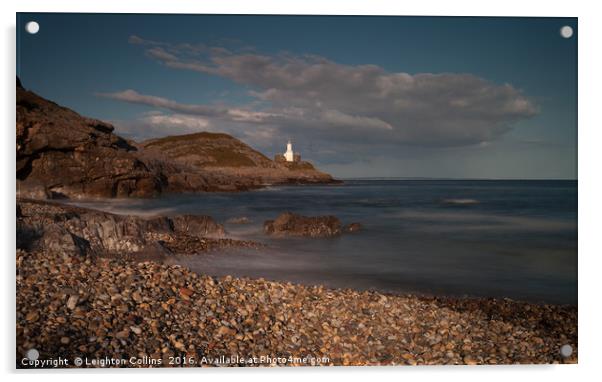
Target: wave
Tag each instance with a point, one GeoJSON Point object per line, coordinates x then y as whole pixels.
{"type": "Point", "coordinates": [460, 201]}
{"type": "Point", "coordinates": [269, 188]}
{"type": "Point", "coordinates": [126, 207]}
{"type": "Point", "coordinates": [452, 221]}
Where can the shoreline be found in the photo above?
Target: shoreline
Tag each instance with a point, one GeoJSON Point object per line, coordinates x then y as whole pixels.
{"type": "Point", "coordinates": [124, 307]}
{"type": "Point", "coordinates": [425, 295]}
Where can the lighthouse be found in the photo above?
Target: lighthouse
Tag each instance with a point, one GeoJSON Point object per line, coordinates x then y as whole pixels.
{"type": "Point", "coordinates": [288, 155]}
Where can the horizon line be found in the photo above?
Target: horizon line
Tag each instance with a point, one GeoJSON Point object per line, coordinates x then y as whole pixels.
{"type": "Point", "coordinates": [445, 178]}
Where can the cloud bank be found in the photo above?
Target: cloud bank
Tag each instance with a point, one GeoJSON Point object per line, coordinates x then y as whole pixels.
{"type": "Point", "coordinates": [295, 95]}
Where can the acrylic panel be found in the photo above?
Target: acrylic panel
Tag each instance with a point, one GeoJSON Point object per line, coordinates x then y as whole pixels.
{"type": "Point", "coordinates": [248, 190]}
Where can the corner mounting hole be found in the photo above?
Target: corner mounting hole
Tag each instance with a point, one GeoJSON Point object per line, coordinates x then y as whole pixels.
{"type": "Point", "coordinates": [32, 27]}
{"type": "Point", "coordinates": [566, 31]}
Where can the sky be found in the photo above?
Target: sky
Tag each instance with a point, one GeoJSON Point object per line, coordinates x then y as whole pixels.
{"type": "Point", "coordinates": [433, 97]}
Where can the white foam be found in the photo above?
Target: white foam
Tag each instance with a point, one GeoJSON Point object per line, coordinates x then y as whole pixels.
{"type": "Point", "coordinates": [460, 201]}
{"type": "Point", "coordinates": [456, 221]}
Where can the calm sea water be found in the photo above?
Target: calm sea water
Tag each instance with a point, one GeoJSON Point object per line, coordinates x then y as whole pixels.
{"type": "Point", "coordinates": [514, 239]}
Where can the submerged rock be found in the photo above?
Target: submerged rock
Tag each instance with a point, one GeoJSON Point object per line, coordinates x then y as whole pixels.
{"type": "Point", "coordinates": [290, 224]}
{"type": "Point", "coordinates": [239, 220]}
{"type": "Point", "coordinates": [198, 225]}
{"type": "Point", "coordinates": [353, 227]}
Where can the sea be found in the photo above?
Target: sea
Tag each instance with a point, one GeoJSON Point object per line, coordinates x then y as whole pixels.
{"type": "Point", "coordinates": [478, 238]}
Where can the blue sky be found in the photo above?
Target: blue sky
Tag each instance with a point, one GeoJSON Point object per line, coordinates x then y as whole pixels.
{"type": "Point", "coordinates": [359, 96]}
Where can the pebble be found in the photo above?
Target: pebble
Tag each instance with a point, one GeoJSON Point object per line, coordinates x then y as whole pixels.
{"type": "Point", "coordinates": [225, 331]}
{"type": "Point", "coordinates": [72, 302]}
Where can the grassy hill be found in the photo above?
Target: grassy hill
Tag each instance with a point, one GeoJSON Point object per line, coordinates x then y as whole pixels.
{"type": "Point", "coordinates": [223, 155]}
{"type": "Point", "coordinates": [209, 150]}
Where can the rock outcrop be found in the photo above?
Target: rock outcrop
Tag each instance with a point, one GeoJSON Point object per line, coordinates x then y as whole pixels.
{"type": "Point", "coordinates": [59, 228]}
{"type": "Point", "coordinates": [290, 224]}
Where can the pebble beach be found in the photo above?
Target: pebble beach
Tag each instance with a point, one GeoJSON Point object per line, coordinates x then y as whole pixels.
{"type": "Point", "coordinates": [121, 313]}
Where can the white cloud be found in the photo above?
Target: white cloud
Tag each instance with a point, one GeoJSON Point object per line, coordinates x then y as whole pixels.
{"type": "Point", "coordinates": [178, 120]}
{"type": "Point", "coordinates": [155, 124]}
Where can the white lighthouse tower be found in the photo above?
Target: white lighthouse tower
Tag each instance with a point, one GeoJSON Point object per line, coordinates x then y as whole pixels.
{"type": "Point", "coordinates": [288, 155]}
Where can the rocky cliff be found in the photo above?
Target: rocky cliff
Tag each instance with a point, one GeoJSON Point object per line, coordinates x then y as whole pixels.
{"type": "Point", "coordinates": [60, 153]}
{"type": "Point", "coordinates": [63, 154]}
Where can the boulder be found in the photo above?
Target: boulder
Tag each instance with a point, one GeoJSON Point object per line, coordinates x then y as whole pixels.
{"type": "Point", "coordinates": [290, 224]}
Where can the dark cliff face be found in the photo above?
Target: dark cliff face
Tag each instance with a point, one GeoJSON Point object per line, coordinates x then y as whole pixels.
{"type": "Point", "coordinates": [63, 154]}
{"type": "Point", "coordinates": [60, 152]}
